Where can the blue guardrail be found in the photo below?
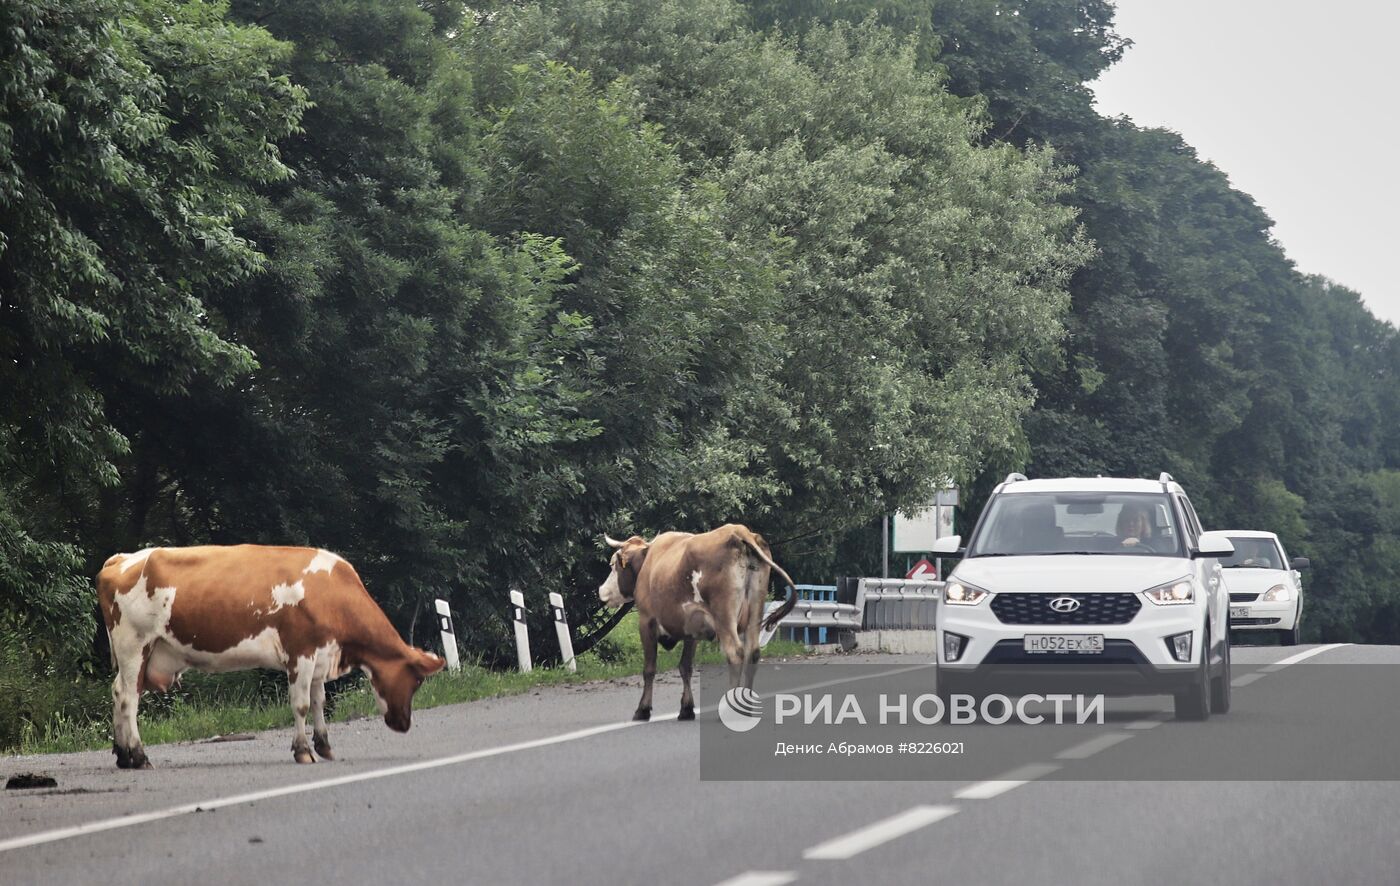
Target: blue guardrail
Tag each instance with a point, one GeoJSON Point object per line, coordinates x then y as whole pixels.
{"type": "Point", "coordinates": [825, 593]}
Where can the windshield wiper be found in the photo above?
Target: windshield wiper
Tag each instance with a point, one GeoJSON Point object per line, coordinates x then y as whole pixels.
{"type": "Point", "coordinates": [1076, 553]}
{"type": "Point", "coordinates": [1042, 553]}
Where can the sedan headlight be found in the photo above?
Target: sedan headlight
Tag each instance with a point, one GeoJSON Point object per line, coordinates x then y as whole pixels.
{"type": "Point", "coordinates": [1277, 594]}
{"type": "Point", "coordinates": [959, 593]}
{"type": "Point", "coordinates": [1175, 593]}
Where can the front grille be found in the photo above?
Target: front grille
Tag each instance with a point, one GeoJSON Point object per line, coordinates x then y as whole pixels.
{"type": "Point", "coordinates": [1094, 609]}
{"type": "Point", "coordinates": [1243, 598]}
{"type": "Point", "coordinates": [1254, 621]}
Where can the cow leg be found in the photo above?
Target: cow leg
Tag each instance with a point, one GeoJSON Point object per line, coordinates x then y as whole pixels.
{"type": "Point", "coordinates": [648, 631]}
{"type": "Point", "coordinates": [320, 736]}
{"type": "Point", "coordinates": [752, 629]}
{"type": "Point", "coordinates": [126, 699]}
{"type": "Point", "coordinates": [726, 619]}
{"type": "Point", "coordinates": [687, 661]}
{"type": "Point", "coordinates": [733, 654]}
{"type": "Point", "coordinates": [299, 679]}
{"type": "Point", "coordinates": [750, 657]}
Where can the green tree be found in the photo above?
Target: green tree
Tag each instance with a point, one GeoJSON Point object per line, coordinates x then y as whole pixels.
{"type": "Point", "coordinates": [130, 134]}
{"type": "Point", "coordinates": [921, 275]}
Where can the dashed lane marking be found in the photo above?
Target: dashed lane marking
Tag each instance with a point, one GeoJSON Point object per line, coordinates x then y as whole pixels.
{"type": "Point", "coordinates": [761, 878]}
{"type": "Point", "coordinates": [1303, 656]}
{"type": "Point", "coordinates": [1093, 746]}
{"type": "Point", "coordinates": [995, 787]}
{"type": "Point", "coordinates": [879, 833]}
{"type": "Point", "coordinates": [1151, 722]}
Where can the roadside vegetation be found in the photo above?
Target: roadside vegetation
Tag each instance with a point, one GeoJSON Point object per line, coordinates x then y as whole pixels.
{"type": "Point", "coordinates": [204, 706]}
{"type": "Point", "coordinates": [455, 289]}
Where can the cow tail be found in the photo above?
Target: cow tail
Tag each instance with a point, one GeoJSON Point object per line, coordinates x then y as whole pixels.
{"type": "Point", "coordinates": [781, 612]}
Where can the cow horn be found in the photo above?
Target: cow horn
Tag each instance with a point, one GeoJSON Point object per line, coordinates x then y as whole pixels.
{"type": "Point", "coordinates": [612, 542]}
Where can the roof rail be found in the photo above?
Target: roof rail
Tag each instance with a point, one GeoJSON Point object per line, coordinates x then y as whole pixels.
{"type": "Point", "coordinates": [1165, 478]}
{"type": "Point", "coordinates": [1014, 477]}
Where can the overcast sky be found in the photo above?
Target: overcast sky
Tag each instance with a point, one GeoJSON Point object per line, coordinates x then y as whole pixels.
{"type": "Point", "coordinates": [1297, 103]}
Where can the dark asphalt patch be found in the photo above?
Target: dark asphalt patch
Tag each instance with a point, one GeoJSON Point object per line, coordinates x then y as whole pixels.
{"type": "Point", "coordinates": [28, 781]}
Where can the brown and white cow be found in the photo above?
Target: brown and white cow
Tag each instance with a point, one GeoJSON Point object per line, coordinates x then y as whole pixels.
{"type": "Point", "coordinates": [691, 587]}
{"type": "Point", "coordinates": [299, 610]}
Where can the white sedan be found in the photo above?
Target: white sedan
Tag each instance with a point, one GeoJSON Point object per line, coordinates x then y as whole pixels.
{"type": "Point", "coordinates": [1266, 588]}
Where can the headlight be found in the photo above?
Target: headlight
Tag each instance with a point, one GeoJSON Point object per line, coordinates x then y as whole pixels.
{"type": "Point", "coordinates": [961, 594]}
{"type": "Point", "coordinates": [1278, 594]}
{"type": "Point", "coordinates": [1175, 593]}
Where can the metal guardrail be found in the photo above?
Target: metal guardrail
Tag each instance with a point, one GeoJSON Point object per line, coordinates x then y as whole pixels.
{"type": "Point", "coordinates": [880, 604]}
{"type": "Point", "coordinates": [894, 604]}
{"type": "Point", "coordinates": [817, 612]}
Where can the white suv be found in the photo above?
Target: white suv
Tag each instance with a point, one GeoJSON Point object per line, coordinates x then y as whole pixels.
{"type": "Point", "coordinates": [1266, 588]}
{"type": "Point", "coordinates": [1088, 585]}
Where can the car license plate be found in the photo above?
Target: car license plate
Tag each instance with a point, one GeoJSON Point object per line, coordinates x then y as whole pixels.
{"type": "Point", "coordinates": [1239, 612]}
{"type": "Point", "coordinates": [1072, 643]}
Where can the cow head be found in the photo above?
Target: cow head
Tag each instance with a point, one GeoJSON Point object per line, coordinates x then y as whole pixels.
{"type": "Point", "coordinates": [627, 560]}
{"type": "Point", "coordinates": [396, 679]}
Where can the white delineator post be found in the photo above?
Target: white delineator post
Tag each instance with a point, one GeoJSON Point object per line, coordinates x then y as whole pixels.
{"type": "Point", "coordinates": [561, 627]}
{"type": "Point", "coordinates": [522, 634]}
{"type": "Point", "coordinates": [449, 639]}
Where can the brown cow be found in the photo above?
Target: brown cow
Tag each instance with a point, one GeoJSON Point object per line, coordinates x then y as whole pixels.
{"type": "Point", "coordinates": [299, 610]}
{"type": "Point", "coordinates": [690, 587]}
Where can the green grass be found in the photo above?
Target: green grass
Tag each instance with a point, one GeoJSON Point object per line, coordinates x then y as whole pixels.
{"type": "Point", "coordinates": [246, 707]}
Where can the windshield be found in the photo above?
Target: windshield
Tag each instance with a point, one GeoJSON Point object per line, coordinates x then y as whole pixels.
{"type": "Point", "coordinates": [1253, 553]}
{"type": "Point", "coordinates": [1126, 523]}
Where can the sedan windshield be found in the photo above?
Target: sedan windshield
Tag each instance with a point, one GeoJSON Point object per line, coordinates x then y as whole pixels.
{"type": "Point", "coordinates": [1253, 553]}
{"type": "Point", "coordinates": [1049, 523]}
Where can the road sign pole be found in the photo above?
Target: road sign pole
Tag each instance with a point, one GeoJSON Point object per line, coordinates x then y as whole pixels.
{"type": "Point", "coordinates": [449, 639]}
{"type": "Point", "coordinates": [522, 633]}
{"type": "Point", "coordinates": [938, 524]}
{"type": "Point", "coordinates": [561, 627]}
{"type": "Point", "coordinates": [885, 552]}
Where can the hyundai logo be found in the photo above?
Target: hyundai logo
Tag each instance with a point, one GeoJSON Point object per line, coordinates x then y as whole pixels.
{"type": "Point", "coordinates": [1064, 604]}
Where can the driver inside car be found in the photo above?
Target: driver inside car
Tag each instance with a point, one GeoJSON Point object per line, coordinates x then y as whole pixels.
{"type": "Point", "coordinates": [1134, 526]}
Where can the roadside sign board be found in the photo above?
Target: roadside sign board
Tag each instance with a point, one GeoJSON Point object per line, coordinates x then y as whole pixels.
{"type": "Point", "coordinates": [915, 533]}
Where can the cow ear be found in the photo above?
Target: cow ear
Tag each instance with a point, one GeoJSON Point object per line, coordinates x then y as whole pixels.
{"type": "Point", "coordinates": [427, 663]}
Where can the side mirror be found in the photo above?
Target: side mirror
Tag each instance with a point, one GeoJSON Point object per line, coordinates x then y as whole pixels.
{"type": "Point", "coordinates": [1214, 544]}
{"type": "Point", "coordinates": [948, 544]}
{"type": "Point", "coordinates": [1299, 563]}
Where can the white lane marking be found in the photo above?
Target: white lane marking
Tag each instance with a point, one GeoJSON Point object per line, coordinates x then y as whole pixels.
{"type": "Point", "coordinates": [1151, 721]}
{"type": "Point", "coordinates": [1246, 679]}
{"type": "Point", "coordinates": [995, 787]}
{"type": "Point", "coordinates": [824, 684]}
{"type": "Point", "coordinates": [127, 821]}
{"type": "Point", "coordinates": [761, 878]}
{"type": "Point", "coordinates": [879, 833]}
{"type": "Point", "coordinates": [1093, 746]}
{"type": "Point", "coordinates": [1305, 654]}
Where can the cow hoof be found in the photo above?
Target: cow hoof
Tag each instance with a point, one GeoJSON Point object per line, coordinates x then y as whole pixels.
{"type": "Point", "coordinates": [642, 714]}
{"type": "Point", "coordinates": [323, 750]}
{"type": "Point", "coordinates": [136, 760]}
{"type": "Point", "coordinates": [304, 756]}
{"type": "Point", "coordinates": [687, 713]}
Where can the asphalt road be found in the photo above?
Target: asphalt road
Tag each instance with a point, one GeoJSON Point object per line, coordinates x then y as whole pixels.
{"type": "Point", "coordinates": [558, 787]}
